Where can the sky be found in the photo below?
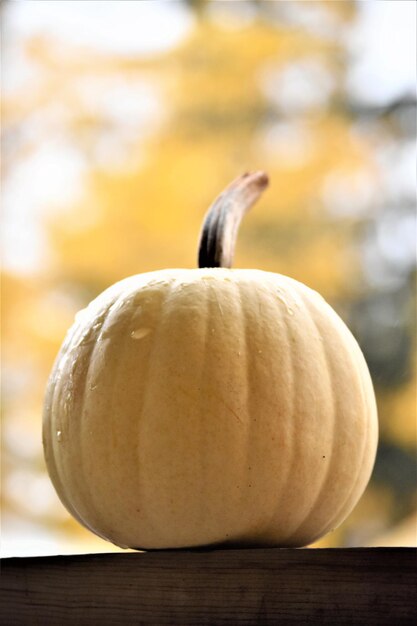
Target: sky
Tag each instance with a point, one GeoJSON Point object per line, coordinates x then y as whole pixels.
{"type": "Point", "coordinates": [383, 41]}
{"type": "Point", "coordinates": [125, 28]}
{"type": "Point", "coordinates": [384, 46]}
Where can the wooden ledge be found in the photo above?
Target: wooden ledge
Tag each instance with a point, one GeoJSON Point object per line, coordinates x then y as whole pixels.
{"type": "Point", "coordinates": [255, 586]}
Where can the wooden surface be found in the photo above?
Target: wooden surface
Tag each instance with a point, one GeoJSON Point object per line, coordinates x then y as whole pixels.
{"type": "Point", "coordinates": [267, 586]}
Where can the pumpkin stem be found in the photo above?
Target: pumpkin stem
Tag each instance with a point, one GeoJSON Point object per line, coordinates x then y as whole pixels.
{"type": "Point", "coordinates": [221, 223]}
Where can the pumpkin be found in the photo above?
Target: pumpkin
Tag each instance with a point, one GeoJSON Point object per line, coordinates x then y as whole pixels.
{"type": "Point", "coordinates": [210, 406]}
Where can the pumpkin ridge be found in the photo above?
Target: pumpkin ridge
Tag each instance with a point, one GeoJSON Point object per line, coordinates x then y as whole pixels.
{"type": "Point", "coordinates": [56, 398]}
{"type": "Point", "coordinates": [118, 374]}
{"type": "Point", "coordinates": [246, 401]}
{"type": "Point", "coordinates": [139, 422]}
{"type": "Point", "coordinates": [347, 503]}
{"type": "Point", "coordinates": [220, 397]}
{"type": "Point", "coordinates": [152, 521]}
{"type": "Point", "coordinates": [101, 319]}
{"type": "Point", "coordinates": [202, 427]}
{"type": "Point", "coordinates": [334, 425]}
{"type": "Point", "coordinates": [49, 424]}
{"type": "Point", "coordinates": [61, 473]}
{"type": "Point", "coordinates": [291, 420]}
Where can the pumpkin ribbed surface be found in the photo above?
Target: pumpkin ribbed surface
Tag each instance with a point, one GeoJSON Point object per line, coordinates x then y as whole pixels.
{"type": "Point", "coordinates": [195, 407]}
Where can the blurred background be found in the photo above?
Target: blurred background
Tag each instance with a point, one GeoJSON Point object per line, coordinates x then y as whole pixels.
{"type": "Point", "coordinates": [121, 123]}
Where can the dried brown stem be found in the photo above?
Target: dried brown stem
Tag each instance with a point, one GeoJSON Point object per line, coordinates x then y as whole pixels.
{"type": "Point", "coordinates": [222, 220]}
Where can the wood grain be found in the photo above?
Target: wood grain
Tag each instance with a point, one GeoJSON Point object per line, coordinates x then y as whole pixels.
{"type": "Point", "coordinates": [254, 586]}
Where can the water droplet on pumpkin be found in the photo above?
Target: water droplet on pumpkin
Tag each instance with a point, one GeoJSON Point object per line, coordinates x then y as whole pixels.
{"type": "Point", "coordinates": [284, 301]}
{"type": "Point", "coordinates": [117, 304]}
{"type": "Point", "coordinates": [281, 297]}
{"type": "Point", "coordinates": [139, 333]}
{"type": "Point", "coordinates": [80, 314]}
{"type": "Point", "coordinates": [59, 435]}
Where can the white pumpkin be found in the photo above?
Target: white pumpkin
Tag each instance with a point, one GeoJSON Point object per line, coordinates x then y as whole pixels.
{"type": "Point", "coordinates": [210, 406]}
